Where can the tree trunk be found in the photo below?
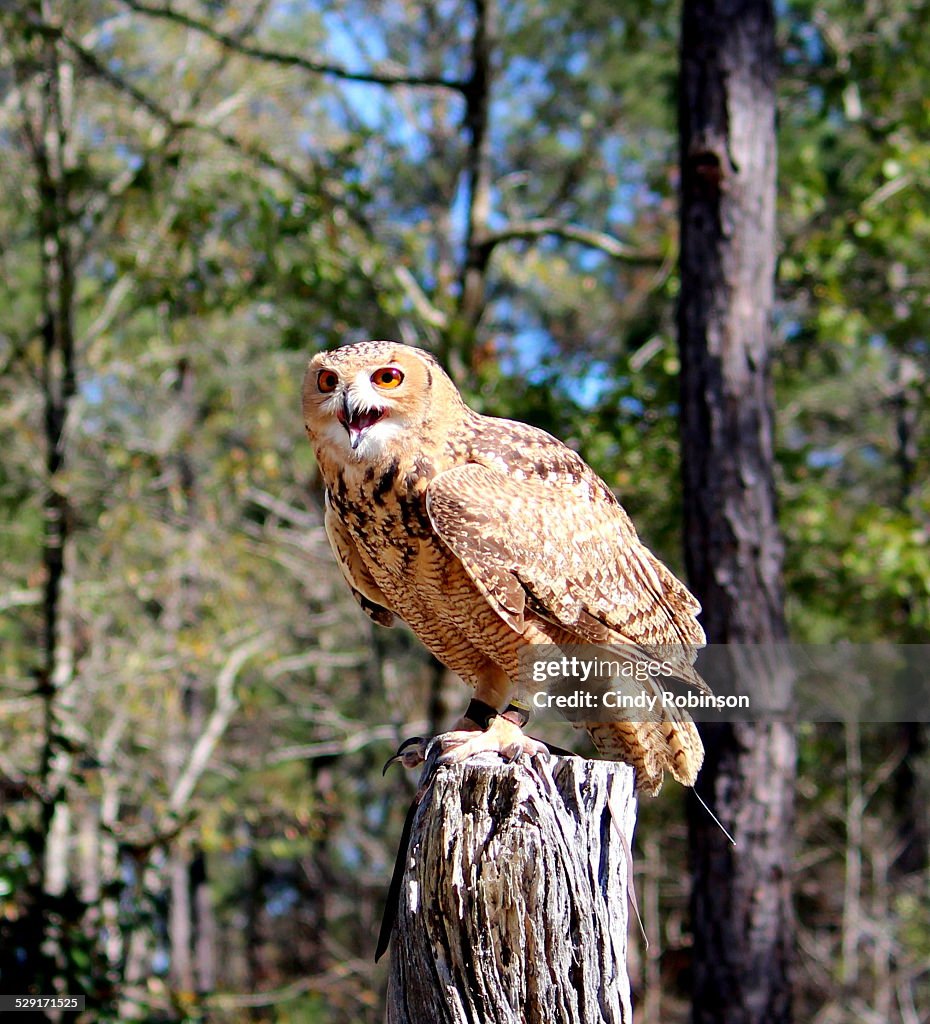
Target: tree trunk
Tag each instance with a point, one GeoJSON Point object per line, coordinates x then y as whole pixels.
{"type": "Point", "coordinates": [473, 285]}
{"type": "Point", "coordinates": [181, 919]}
{"type": "Point", "coordinates": [741, 907]}
{"type": "Point", "coordinates": [513, 904]}
{"type": "Point", "coordinates": [205, 939]}
{"type": "Point", "coordinates": [45, 88]}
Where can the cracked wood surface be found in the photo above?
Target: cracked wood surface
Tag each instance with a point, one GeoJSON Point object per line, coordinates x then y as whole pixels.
{"type": "Point", "coordinates": [513, 906]}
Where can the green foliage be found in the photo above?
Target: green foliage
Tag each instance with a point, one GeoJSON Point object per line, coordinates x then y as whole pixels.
{"type": "Point", "coordinates": [853, 381]}
{"type": "Point", "coordinates": [278, 211]}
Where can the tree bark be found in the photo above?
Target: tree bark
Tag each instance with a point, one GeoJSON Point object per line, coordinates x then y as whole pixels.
{"type": "Point", "coordinates": [45, 81]}
{"type": "Point", "coordinates": [741, 907]}
{"type": "Point", "coordinates": [473, 284]}
{"type": "Point", "coordinates": [513, 904]}
{"type": "Point", "coordinates": [205, 938]}
{"type": "Point", "coordinates": [181, 920]}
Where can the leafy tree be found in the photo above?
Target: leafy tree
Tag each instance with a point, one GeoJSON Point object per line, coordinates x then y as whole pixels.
{"type": "Point", "coordinates": [237, 184]}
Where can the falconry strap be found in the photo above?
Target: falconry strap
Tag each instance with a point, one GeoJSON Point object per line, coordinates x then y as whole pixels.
{"type": "Point", "coordinates": [518, 713]}
{"type": "Point", "coordinates": [482, 714]}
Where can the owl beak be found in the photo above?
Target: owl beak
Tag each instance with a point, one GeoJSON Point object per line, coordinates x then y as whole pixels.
{"type": "Point", "coordinates": [344, 413]}
{"type": "Point", "coordinates": [357, 423]}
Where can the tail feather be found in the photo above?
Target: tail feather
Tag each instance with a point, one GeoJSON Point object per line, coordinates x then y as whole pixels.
{"type": "Point", "coordinates": [652, 748]}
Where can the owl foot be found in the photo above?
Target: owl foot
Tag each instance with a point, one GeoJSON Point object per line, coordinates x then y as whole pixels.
{"type": "Point", "coordinates": [501, 737]}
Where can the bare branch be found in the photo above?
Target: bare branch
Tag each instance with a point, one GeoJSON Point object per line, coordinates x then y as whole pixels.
{"type": "Point", "coordinates": [17, 705]}
{"type": "Point", "coordinates": [163, 137]}
{"type": "Point", "coordinates": [540, 227]}
{"type": "Point", "coordinates": [20, 598]}
{"type": "Point", "coordinates": [160, 113]}
{"type": "Point", "coordinates": [330, 748]}
{"type": "Point", "coordinates": [104, 319]}
{"type": "Point", "coordinates": [223, 710]}
{"type": "Point", "coordinates": [313, 659]}
{"type": "Point", "coordinates": [283, 510]}
{"type": "Point", "coordinates": [294, 60]}
{"type": "Point", "coordinates": [331, 980]}
{"type": "Point", "coordinates": [421, 304]}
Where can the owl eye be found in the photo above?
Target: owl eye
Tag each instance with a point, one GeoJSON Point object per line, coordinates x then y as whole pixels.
{"type": "Point", "coordinates": [387, 378]}
{"type": "Point", "coordinates": [327, 381]}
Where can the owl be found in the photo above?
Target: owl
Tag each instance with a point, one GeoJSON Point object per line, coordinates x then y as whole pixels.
{"type": "Point", "coordinates": [487, 536]}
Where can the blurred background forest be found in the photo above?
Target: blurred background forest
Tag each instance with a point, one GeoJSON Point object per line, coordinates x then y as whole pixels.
{"type": "Point", "coordinates": [197, 195]}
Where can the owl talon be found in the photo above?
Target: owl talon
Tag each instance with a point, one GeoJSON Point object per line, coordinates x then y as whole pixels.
{"type": "Point", "coordinates": [501, 737]}
{"type": "Point", "coordinates": [410, 753]}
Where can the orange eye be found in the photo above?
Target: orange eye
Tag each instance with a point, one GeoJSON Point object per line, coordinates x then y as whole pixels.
{"type": "Point", "coordinates": [387, 378]}
{"type": "Point", "coordinates": [327, 381]}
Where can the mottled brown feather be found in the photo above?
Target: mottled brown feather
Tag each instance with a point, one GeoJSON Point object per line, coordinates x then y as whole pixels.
{"type": "Point", "coordinates": [361, 582]}
{"type": "Point", "coordinates": [486, 535]}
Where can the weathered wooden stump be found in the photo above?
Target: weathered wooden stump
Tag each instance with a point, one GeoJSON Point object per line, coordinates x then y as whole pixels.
{"type": "Point", "coordinates": [513, 906]}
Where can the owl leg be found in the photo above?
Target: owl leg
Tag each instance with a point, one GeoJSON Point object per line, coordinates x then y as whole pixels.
{"type": "Point", "coordinates": [478, 731]}
{"type": "Point", "coordinates": [502, 736]}
{"type": "Point", "coordinates": [482, 728]}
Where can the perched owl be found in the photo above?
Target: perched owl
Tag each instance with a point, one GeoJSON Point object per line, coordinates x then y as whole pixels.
{"type": "Point", "coordinates": [486, 535]}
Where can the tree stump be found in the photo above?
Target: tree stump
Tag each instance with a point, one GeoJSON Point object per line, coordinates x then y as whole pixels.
{"type": "Point", "coordinates": [513, 905]}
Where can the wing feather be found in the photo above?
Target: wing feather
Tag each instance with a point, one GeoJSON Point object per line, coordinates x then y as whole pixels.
{"type": "Point", "coordinates": [557, 535]}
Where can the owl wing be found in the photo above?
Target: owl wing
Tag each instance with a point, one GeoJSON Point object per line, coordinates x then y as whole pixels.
{"type": "Point", "coordinates": [538, 530]}
{"type": "Point", "coordinates": [361, 582]}
{"type": "Point", "coordinates": [558, 543]}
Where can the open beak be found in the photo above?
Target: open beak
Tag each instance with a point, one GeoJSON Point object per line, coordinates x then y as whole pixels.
{"type": "Point", "coordinates": [356, 424]}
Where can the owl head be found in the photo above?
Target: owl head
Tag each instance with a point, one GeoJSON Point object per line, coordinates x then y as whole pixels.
{"type": "Point", "coordinates": [366, 402]}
